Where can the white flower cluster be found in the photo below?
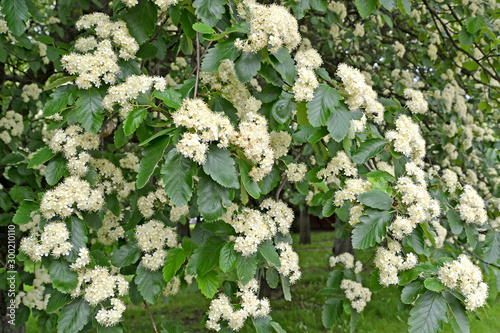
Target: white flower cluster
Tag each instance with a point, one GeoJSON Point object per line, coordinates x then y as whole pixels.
{"type": "Point", "coordinates": [12, 124]}
{"type": "Point", "coordinates": [222, 309]}
{"type": "Point", "coordinates": [3, 25]}
{"type": "Point", "coordinates": [130, 161]}
{"type": "Point", "coordinates": [361, 94]}
{"type": "Point", "coordinates": [352, 188]}
{"type": "Point", "coordinates": [296, 172]}
{"type": "Point", "coordinates": [471, 207]}
{"type": "Point", "coordinates": [30, 91]}
{"type": "Point", "coordinates": [347, 260]}
{"type": "Point", "coordinates": [82, 260]}
{"type": "Point", "coordinates": [69, 140]}
{"type": "Point", "coordinates": [271, 26]}
{"type": "Point", "coordinates": [355, 213]}
{"type": "Point", "coordinates": [389, 263]}
{"type": "Point", "coordinates": [110, 178]}
{"type": "Point", "coordinates": [440, 234]}
{"type": "Point", "coordinates": [52, 240]}
{"type": "Point", "coordinates": [450, 179]}
{"type": "Point", "coordinates": [399, 49]}
{"type": "Point", "coordinates": [111, 317]}
{"type": "Point", "coordinates": [73, 190]}
{"type": "Point", "coordinates": [306, 83]}
{"type": "Point", "coordinates": [209, 126]}
{"type": "Point", "coordinates": [289, 260]}
{"type": "Point", "coordinates": [417, 103]}
{"type": "Point", "coordinates": [341, 162]}
{"type": "Point", "coordinates": [280, 141]}
{"type": "Point", "coordinates": [172, 287]}
{"type": "Point", "coordinates": [146, 204]}
{"type": "Point", "coordinates": [356, 293]}
{"type": "Point", "coordinates": [256, 227]}
{"type": "Point", "coordinates": [125, 92]}
{"type": "Point", "coordinates": [152, 238]}
{"type": "Point", "coordinates": [36, 298]}
{"type": "Point", "coordinates": [111, 229]}
{"type": "Point", "coordinates": [407, 139]}
{"type": "Point", "coordinates": [163, 4]}
{"type": "Point", "coordinates": [462, 273]}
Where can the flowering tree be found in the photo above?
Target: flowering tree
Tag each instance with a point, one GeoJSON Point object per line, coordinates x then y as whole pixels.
{"type": "Point", "coordinates": [122, 121]}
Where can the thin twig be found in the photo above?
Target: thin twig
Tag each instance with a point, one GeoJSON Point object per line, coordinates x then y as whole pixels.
{"type": "Point", "coordinates": [151, 316]}
{"type": "Point", "coordinates": [204, 52]}
{"type": "Point", "coordinates": [197, 64]}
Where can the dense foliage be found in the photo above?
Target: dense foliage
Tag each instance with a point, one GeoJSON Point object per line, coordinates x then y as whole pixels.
{"type": "Point", "coordinates": [123, 121]}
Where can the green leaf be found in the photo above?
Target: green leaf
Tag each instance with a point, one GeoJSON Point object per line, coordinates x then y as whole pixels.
{"type": "Point", "coordinates": [203, 28]}
{"type": "Point", "coordinates": [57, 300]}
{"type": "Point", "coordinates": [332, 311]}
{"type": "Point", "coordinates": [152, 155]}
{"type": "Point", "coordinates": [409, 276]}
{"type": "Point", "coordinates": [16, 15]}
{"type": "Point", "coordinates": [228, 257]}
{"type": "Point", "coordinates": [178, 173]}
{"type": "Point", "coordinates": [282, 109]}
{"type": "Point", "coordinates": [458, 318]}
{"type": "Point", "coordinates": [269, 252]}
{"type": "Point", "coordinates": [277, 327]}
{"type": "Point", "coordinates": [74, 316]}
{"type": "Point", "coordinates": [321, 106]}
{"type": "Point", "coordinates": [58, 82]}
{"type": "Point", "coordinates": [404, 6]}
{"type": "Point", "coordinates": [41, 156]}
{"type": "Point", "coordinates": [78, 237]}
{"type": "Point", "coordinates": [55, 170]}
{"type": "Point", "coordinates": [432, 283]}
{"type": "Point", "coordinates": [368, 149]}
{"type": "Point", "coordinates": [491, 249]}
{"type": "Point", "coordinates": [247, 66]}
{"type": "Point", "coordinates": [411, 291]}
{"type": "Point", "coordinates": [465, 37]}
{"type": "Point", "coordinates": [285, 286]}
{"type": "Point", "coordinates": [381, 174]}
{"type": "Point", "coordinates": [388, 4]}
{"type": "Point", "coordinates": [120, 138]}
{"type": "Point", "coordinates": [339, 124]}
{"type": "Point", "coordinates": [427, 314]}
{"type": "Point", "coordinates": [365, 7]}
{"type": "Point", "coordinates": [300, 8]}
{"type": "Point", "coordinates": [371, 228]}
{"type": "Point", "coordinates": [23, 213]}
{"type": "Point", "coordinates": [472, 234]}
{"type": "Point", "coordinates": [170, 97]}
{"type": "Point", "coordinates": [214, 56]}
{"type": "Point", "coordinates": [272, 277]}
{"type": "Point", "coordinates": [221, 167]}
{"type": "Point", "coordinates": [127, 254]}
{"type": "Point", "coordinates": [246, 267]}
{"type": "Point", "coordinates": [270, 181]}
{"type": "Point", "coordinates": [208, 283]}
{"type": "Point", "coordinates": [150, 284]}
{"type": "Point", "coordinates": [89, 110]}
{"type": "Point", "coordinates": [59, 99]}
{"type": "Point", "coordinates": [474, 24]}
{"type": "Point", "coordinates": [133, 120]}
{"type": "Point", "coordinates": [210, 11]}
{"type": "Point", "coordinates": [376, 199]}
{"type": "Point", "coordinates": [141, 20]}
{"type": "Point", "coordinates": [174, 260]}
{"type": "Point", "coordinates": [251, 186]}
{"type": "Point", "coordinates": [211, 197]}
{"type": "Point", "coordinates": [63, 279]}
{"type": "Point", "coordinates": [206, 257]}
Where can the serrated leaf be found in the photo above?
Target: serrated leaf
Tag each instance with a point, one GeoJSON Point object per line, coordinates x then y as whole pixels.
{"type": "Point", "coordinates": [74, 316]}
{"type": "Point", "coordinates": [59, 99]}
{"type": "Point", "coordinates": [381, 175]}
{"type": "Point", "coordinates": [133, 120]}
{"type": "Point", "coordinates": [465, 37]}
{"type": "Point", "coordinates": [472, 235]}
{"type": "Point", "coordinates": [151, 156]}
{"type": "Point", "coordinates": [58, 82]}
{"type": "Point", "coordinates": [371, 228]}
{"type": "Point", "coordinates": [432, 283]}
{"type": "Point", "coordinates": [272, 277]}
{"type": "Point", "coordinates": [170, 97]}
{"type": "Point", "coordinates": [282, 109]}
{"type": "Point", "coordinates": [41, 156]}
{"type": "Point", "coordinates": [427, 314]}
{"type": "Point", "coordinates": [208, 283]}
{"type": "Point", "coordinates": [210, 11]}
{"type": "Point", "coordinates": [174, 260]}
{"type": "Point", "coordinates": [78, 237]}
{"type": "Point", "coordinates": [325, 100]}
{"type": "Point", "coordinates": [404, 6]}
{"type": "Point", "coordinates": [368, 149]}
{"type": "Point", "coordinates": [23, 213]}
{"type": "Point", "coordinates": [285, 286]}
{"type": "Point", "coordinates": [376, 199]}
{"type": "Point", "coordinates": [474, 24]}
{"type": "Point", "coordinates": [409, 276]}
{"type": "Point", "coordinates": [214, 56]}
{"type": "Point", "coordinates": [269, 252]}
{"type": "Point", "coordinates": [150, 284]}
{"type": "Point", "coordinates": [221, 167]}
{"type": "Point", "coordinates": [251, 186]}
{"type": "Point", "coordinates": [212, 198]}
{"type": "Point", "coordinates": [247, 66]}
{"type": "Point", "coordinates": [120, 139]}
{"type": "Point", "coordinates": [270, 181]}
{"type": "Point", "coordinates": [178, 173]}
{"type": "Point", "coordinates": [206, 257]}
{"type": "Point", "coordinates": [491, 249]}
{"type": "Point", "coordinates": [203, 28]}
{"type": "Point", "coordinates": [459, 320]}
{"type": "Point", "coordinates": [63, 279]}
{"type": "Point", "coordinates": [141, 20]}
{"type": "Point", "coordinates": [56, 301]}
{"type": "Point", "coordinates": [411, 291]}
{"type": "Point", "coordinates": [388, 4]}
{"type": "Point", "coordinates": [246, 267]}
{"type": "Point", "coordinates": [127, 254]}
{"type": "Point", "coordinates": [332, 310]}
{"type": "Point", "coordinates": [16, 14]}
{"type": "Point", "coordinates": [89, 111]}
{"type": "Point", "coordinates": [55, 170]}
{"type": "Point", "coordinates": [228, 257]}
{"type": "Point", "coordinates": [365, 7]}
{"type": "Point", "coordinates": [339, 124]}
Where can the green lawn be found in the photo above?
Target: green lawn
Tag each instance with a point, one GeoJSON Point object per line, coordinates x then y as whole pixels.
{"type": "Point", "coordinates": [303, 314]}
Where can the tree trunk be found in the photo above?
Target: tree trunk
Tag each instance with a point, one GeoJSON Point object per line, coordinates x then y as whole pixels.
{"type": "Point", "coordinates": [183, 229]}
{"type": "Point", "coordinates": [305, 227]}
{"type": "Point", "coordinates": [342, 244]}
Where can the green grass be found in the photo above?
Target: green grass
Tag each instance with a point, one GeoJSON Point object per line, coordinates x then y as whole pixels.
{"type": "Point", "coordinates": [303, 314]}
